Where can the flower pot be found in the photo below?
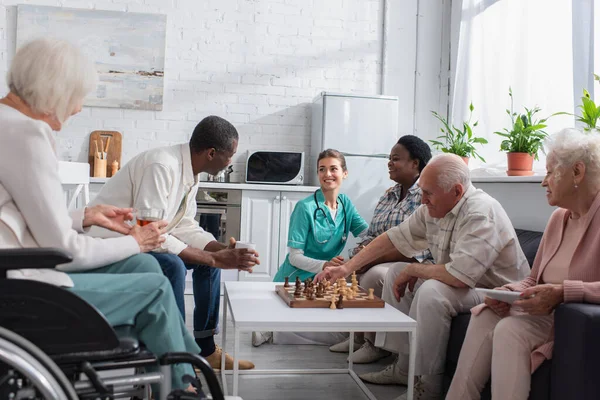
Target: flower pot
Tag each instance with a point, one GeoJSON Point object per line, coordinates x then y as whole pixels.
{"type": "Point", "coordinates": [520, 164]}
{"type": "Point", "coordinates": [465, 159]}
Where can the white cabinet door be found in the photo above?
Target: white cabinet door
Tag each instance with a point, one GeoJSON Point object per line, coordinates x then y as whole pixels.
{"type": "Point", "coordinates": [288, 202]}
{"type": "Point", "coordinates": [260, 225]}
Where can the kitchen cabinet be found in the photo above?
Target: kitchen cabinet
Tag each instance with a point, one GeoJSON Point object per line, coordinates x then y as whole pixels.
{"type": "Point", "coordinates": [265, 222]}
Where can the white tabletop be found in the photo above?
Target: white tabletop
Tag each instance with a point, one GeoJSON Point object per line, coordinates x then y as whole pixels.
{"type": "Point", "coordinates": [256, 306]}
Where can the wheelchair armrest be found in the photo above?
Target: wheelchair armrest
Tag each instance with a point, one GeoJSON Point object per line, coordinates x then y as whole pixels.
{"type": "Point", "coordinates": [32, 258]}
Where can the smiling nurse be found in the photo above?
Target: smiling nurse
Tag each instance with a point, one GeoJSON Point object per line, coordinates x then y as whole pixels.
{"type": "Point", "coordinates": [321, 223]}
{"type": "Point", "coordinates": [319, 229]}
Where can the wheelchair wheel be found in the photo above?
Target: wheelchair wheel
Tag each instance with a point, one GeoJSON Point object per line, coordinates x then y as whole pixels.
{"type": "Point", "coordinates": [28, 373]}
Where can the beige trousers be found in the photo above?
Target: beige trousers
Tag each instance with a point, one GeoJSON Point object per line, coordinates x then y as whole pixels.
{"type": "Point", "coordinates": [373, 278]}
{"type": "Point", "coordinates": [432, 305]}
{"type": "Point", "coordinates": [501, 347]}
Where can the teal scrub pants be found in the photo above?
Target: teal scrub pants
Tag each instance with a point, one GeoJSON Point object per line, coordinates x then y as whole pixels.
{"type": "Point", "coordinates": [144, 299]}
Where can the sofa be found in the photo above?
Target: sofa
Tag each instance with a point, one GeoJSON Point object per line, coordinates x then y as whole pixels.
{"type": "Point", "coordinates": [571, 372]}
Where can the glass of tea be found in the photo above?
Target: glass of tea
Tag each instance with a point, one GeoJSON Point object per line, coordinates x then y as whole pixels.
{"type": "Point", "coordinates": [144, 216]}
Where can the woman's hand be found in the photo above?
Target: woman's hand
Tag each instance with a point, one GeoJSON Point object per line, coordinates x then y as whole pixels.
{"type": "Point", "coordinates": [333, 273]}
{"type": "Point", "coordinates": [149, 236]}
{"type": "Point", "coordinates": [499, 307]}
{"type": "Point", "coordinates": [109, 217]}
{"type": "Point", "coordinates": [541, 299]}
{"type": "Point", "coordinates": [334, 262]}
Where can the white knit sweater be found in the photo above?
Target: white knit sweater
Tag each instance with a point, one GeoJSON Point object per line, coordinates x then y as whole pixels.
{"type": "Point", "coordinates": [33, 212]}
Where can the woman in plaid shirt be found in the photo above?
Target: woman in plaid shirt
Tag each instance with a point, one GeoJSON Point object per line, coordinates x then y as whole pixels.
{"type": "Point", "coordinates": [407, 159]}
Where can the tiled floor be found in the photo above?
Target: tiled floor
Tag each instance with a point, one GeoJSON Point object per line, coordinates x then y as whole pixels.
{"type": "Point", "coordinates": [299, 387]}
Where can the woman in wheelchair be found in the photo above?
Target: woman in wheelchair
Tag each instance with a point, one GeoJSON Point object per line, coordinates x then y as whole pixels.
{"type": "Point", "coordinates": [48, 80]}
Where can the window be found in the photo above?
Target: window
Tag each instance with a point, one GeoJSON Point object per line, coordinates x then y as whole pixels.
{"type": "Point", "coordinates": [543, 49]}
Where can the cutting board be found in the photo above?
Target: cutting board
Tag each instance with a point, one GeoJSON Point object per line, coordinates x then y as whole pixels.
{"type": "Point", "coordinates": [114, 148]}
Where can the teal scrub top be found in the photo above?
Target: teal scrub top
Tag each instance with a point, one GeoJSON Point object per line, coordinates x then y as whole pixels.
{"type": "Point", "coordinates": [317, 233]}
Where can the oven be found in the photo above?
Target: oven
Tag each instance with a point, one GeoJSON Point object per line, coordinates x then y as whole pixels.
{"type": "Point", "coordinates": [219, 212]}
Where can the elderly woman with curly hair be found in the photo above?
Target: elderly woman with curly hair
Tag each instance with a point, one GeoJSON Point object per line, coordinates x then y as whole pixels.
{"type": "Point", "coordinates": [48, 80]}
{"type": "Point", "coordinates": [509, 343]}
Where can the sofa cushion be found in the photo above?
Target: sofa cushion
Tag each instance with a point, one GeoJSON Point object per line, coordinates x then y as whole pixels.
{"type": "Point", "coordinates": [529, 241]}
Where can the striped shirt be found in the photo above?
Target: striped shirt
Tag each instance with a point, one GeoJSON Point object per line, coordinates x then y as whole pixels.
{"type": "Point", "coordinates": [475, 240]}
{"type": "Point", "coordinates": [391, 212]}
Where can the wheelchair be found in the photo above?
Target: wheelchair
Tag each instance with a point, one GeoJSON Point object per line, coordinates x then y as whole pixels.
{"type": "Point", "coordinates": [54, 345]}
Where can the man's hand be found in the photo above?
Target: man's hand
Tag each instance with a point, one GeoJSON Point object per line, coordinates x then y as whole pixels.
{"type": "Point", "coordinates": [403, 280]}
{"type": "Point", "coordinates": [541, 299]}
{"type": "Point", "coordinates": [241, 259]}
{"type": "Point", "coordinates": [332, 274]}
{"type": "Point", "coordinates": [149, 237]}
{"type": "Point", "coordinates": [499, 307]}
{"type": "Point", "coordinates": [109, 217]}
{"type": "Point", "coordinates": [232, 243]}
{"type": "Point", "coordinates": [334, 262]}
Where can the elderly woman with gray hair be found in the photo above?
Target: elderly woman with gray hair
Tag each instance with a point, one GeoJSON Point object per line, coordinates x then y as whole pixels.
{"type": "Point", "coordinates": [509, 343]}
{"type": "Point", "coordinates": [48, 80]}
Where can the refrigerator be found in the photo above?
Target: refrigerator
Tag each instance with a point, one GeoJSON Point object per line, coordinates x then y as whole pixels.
{"type": "Point", "coordinates": [364, 129]}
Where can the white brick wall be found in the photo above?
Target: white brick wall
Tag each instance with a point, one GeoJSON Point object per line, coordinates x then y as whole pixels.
{"type": "Point", "coordinates": [257, 63]}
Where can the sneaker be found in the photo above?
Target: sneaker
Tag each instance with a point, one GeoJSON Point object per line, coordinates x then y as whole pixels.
{"type": "Point", "coordinates": [344, 347]}
{"type": "Point", "coordinates": [389, 376]}
{"type": "Point", "coordinates": [215, 361]}
{"type": "Point", "coordinates": [259, 338]}
{"type": "Point", "coordinates": [423, 392]}
{"type": "Point", "coordinates": [368, 354]}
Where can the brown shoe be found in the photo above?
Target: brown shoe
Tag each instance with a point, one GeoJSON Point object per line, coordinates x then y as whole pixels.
{"type": "Point", "coordinates": [215, 361]}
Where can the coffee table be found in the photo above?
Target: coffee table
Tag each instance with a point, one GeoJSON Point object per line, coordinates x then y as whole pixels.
{"type": "Point", "coordinates": [255, 306]}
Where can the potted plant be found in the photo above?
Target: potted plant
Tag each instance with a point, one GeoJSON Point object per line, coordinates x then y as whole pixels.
{"type": "Point", "coordinates": [523, 140]}
{"type": "Point", "coordinates": [458, 141]}
{"type": "Point", "coordinates": [589, 112]}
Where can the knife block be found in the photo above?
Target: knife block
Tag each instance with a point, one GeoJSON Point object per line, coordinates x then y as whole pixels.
{"type": "Point", "coordinates": [99, 168]}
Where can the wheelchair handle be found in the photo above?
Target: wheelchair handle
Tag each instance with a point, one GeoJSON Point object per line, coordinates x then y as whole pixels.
{"type": "Point", "coordinates": [201, 364]}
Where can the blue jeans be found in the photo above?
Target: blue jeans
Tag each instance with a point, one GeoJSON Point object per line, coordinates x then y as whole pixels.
{"type": "Point", "coordinates": [207, 296]}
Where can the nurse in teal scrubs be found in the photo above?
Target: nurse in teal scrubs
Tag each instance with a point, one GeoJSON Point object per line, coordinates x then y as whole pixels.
{"type": "Point", "coordinates": [321, 223]}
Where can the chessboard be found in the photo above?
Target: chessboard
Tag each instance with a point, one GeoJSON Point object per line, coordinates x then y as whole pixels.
{"type": "Point", "coordinates": [311, 295]}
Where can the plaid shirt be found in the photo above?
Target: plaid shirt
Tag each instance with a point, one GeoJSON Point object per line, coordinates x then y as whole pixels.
{"type": "Point", "coordinates": [390, 212]}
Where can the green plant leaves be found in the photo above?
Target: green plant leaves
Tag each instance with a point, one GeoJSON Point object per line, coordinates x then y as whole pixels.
{"type": "Point", "coordinates": [526, 133]}
{"type": "Point", "coordinates": [458, 141]}
{"type": "Point", "coordinates": [590, 114]}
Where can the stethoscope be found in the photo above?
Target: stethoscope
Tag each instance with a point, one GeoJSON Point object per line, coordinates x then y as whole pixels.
{"type": "Point", "coordinates": [331, 230]}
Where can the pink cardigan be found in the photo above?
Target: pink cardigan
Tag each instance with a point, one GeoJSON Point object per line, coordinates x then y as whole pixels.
{"type": "Point", "coordinates": [583, 283]}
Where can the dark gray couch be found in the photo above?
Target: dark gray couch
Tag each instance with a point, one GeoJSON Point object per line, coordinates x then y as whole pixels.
{"type": "Point", "coordinates": [571, 372]}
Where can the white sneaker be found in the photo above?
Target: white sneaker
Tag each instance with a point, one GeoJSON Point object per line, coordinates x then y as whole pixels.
{"type": "Point", "coordinates": [259, 338]}
{"type": "Point", "coordinates": [423, 392]}
{"type": "Point", "coordinates": [368, 354]}
{"type": "Point", "coordinates": [344, 347]}
{"type": "Point", "coordinates": [389, 376]}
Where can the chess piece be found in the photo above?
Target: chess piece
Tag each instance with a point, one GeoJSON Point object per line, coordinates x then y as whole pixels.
{"type": "Point", "coordinates": [298, 283]}
{"type": "Point", "coordinates": [311, 294]}
{"type": "Point", "coordinates": [332, 305]}
{"type": "Point", "coordinates": [340, 302]}
{"type": "Point", "coordinates": [287, 282]}
{"type": "Point", "coordinates": [371, 296]}
{"type": "Point", "coordinates": [297, 292]}
{"type": "Point", "coordinates": [319, 292]}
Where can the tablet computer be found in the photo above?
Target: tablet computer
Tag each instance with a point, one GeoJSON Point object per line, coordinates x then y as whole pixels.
{"type": "Point", "coordinates": [501, 295]}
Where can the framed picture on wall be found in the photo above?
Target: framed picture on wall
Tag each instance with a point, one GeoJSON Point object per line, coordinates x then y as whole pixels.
{"type": "Point", "coordinates": [128, 49]}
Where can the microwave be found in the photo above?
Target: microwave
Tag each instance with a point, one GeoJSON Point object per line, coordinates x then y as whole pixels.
{"type": "Point", "coordinates": [275, 167]}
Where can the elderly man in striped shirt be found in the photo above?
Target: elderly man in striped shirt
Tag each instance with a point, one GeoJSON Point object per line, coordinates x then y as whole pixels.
{"type": "Point", "coordinates": [473, 244]}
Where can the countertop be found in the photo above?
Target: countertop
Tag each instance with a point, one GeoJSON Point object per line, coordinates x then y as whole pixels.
{"type": "Point", "coordinates": [241, 186]}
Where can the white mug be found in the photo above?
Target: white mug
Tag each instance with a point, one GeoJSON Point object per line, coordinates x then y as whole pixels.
{"type": "Point", "coordinates": [245, 245]}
